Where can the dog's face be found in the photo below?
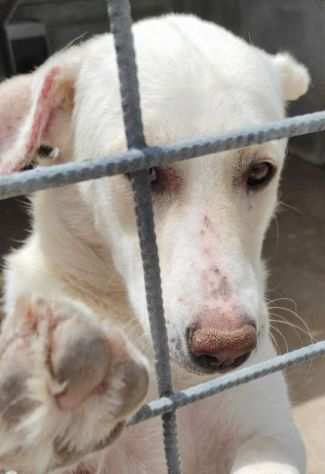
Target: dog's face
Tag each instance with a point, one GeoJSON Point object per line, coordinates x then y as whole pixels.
{"type": "Point", "coordinates": [211, 213]}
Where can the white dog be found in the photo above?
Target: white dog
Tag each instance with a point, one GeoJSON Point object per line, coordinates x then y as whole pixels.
{"type": "Point", "coordinates": [76, 357]}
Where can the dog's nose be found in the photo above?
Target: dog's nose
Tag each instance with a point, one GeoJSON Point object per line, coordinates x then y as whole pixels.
{"type": "Point", "coordinates": [219, 350]}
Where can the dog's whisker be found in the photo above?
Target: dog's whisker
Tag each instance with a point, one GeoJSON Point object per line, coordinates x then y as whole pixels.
{"type": "Point", "coordinates": [282, 298]}
{"type": "Point", "coordinates": [290, 207]}
{"type": "Point", "coordinates": [277, 330]}
{"type": "Point", "coordinates": [293, 314]}
{"type": "Point", "coordinates": [274, 341]}
{"type": "Point", "coordinates": [297, 328]}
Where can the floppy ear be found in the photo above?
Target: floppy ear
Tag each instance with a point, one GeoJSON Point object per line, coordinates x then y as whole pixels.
{"type": "Point", "coordinates": [35, 109]}
{"type": "Point", "coordinates": [294, 76]}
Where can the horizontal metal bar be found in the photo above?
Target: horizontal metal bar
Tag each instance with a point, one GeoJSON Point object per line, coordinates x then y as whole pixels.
{"type": "Point", "coordinates": [220, 384]}
{"type": "Point", "coordinates": [136, 160]}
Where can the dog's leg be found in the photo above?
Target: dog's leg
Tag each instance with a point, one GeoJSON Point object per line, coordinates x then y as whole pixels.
{"type": "Point", "coordinates": [68, 382]}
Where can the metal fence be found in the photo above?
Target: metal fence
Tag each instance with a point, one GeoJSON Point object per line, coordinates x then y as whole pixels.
{"type": "Point", "coordinates": [137, 161]}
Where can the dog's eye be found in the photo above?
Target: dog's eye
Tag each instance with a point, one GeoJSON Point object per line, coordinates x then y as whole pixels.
{"type": "Point", "coordinates": [259, 175]}
{"type": "Point", "coordinates": [153, 176]}
{"type": "Point", "coordinates": [158, 180]}
{"type": "Point", "coordinates": [163, 180]}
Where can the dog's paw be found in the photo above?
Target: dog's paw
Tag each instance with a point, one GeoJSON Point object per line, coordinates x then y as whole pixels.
{"type": "Point", "coordinates": [67, 385]}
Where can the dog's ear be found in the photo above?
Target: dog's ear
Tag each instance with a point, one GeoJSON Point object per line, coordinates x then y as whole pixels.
{"type": "Point", "coordinates": [294, 76]}
{"type": "Point", "coordinates": [36, 109]}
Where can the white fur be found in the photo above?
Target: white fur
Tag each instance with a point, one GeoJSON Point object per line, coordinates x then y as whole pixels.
{"type": "Point", "coordinates": [195, 79]}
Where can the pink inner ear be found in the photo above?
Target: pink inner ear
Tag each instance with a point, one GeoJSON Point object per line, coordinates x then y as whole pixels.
{"type": "Point", "coordinates": [44, 107]}
{"type": "Point", "coordinates": [23, 123]}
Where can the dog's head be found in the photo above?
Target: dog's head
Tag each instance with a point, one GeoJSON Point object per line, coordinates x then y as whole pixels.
{"type": "Point", "coordinates": [196, 79]}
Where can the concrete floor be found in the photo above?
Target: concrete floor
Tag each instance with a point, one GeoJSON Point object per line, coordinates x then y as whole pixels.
{"type": "Point", "coordinates": [295, 250]}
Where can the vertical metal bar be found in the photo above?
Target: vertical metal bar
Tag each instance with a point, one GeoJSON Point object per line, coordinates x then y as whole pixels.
{"type": "Point", "coordinates": [121, 23]}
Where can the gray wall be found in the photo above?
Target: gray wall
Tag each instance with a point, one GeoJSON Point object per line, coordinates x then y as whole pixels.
{"type": "Point", "coordinates": [67, 20]}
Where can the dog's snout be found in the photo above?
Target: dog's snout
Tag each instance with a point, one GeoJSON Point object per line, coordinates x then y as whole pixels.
{"type": "Point", "coordinates": [218, 350]}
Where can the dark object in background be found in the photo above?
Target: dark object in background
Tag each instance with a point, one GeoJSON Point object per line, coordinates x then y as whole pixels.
{"type": "Point", "coordinates": [14, 229]}
{"type": "Point", "coordinates": [24, 42]}
{"type": "Point", "coordinates": [26, 46]}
